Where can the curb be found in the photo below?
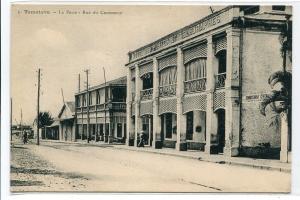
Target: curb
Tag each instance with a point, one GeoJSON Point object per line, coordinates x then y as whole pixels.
{"type": "Point", "coordinates": [234, 163]}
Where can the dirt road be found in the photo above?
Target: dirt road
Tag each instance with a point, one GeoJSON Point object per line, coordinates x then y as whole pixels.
{"type": "Point", "coordinates": [78, 167]}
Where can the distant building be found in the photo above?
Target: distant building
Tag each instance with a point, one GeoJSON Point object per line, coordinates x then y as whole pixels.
{"type": "Point", "coordinates": [200, 86]}
{"type": "Point", "coordinates": [101, 112]}
{"type": "Point", "coordinates": [63, 127]}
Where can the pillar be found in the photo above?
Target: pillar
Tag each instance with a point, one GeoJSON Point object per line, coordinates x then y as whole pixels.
{"type": "Point", "coordinates": [232, 101]}
{"type": "Point", "coordinates": [138, 120]}
{"type": "Point", "coordinates": [181, 144]}
{"type": "Point", "coordinates": [211, 118]}
{"type": "Point", "coordinates": [129, 124]}
{"type": "Point", "coordinates": [157, 140]}
{"type": "Point", "coordinates": [284, 150]}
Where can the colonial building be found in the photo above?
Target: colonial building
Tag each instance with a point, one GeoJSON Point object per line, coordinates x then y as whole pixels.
{"type": "Point", "coordinates": [63, 127]}
{"type": "Point", "coordinates": [200, 86]}
{"type": "Point", "coordinates": [101, 112]}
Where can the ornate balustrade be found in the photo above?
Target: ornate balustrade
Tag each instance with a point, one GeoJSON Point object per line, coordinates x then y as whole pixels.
{"type": "Point", "coordinates": [147, 94]}
{"type": "Point", "coordinates": [195, 85]}
{"type": "Point", "coordinates": [167, 90]}
{"type": "Point", "coordinates": [220, 80]}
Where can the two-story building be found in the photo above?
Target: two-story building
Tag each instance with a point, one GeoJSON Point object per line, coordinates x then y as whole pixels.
{"type": "Point", "coordinates": [101, 112]}
{"type": "Point", "coordinates": [200, 86]}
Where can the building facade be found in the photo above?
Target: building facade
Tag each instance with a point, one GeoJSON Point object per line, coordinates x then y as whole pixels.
{"type": "Point", "coordinates": [101, 112]}
{"type": "Point", "coordinates": [200, 87]}
{"type": "Point", "coordinates": [63, 127]}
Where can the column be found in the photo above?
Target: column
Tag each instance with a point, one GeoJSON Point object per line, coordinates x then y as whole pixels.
{"type": "Point", "coordinates": [211, 118]}
{"type": "Point", "coordinates": [157, 143]}
{"type": "Point", "coordinates": [232, 101]}
{"type": "Point", "coordinates": [284, 138]}
{"type": "Point", "coordinates": [138, 120]}
{"type": "Point", "coordinates": [181, 144]}
{"type": "Point", "coordinates": [129, 125]}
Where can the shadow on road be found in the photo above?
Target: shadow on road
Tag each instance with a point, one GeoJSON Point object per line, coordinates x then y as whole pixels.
{"type": "Point", "coordinates": [23, 170]}
{"type": "Point", "coordinates": [25, 183]}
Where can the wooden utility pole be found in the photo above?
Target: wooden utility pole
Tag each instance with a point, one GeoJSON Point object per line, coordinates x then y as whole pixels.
{"type": "Point", "coordinates": [78, 82]}
{"type": "Point", "coordinates": [38, 108]}
{"type": "Point", "coordinates": [105, 133]}
{"type": "Point", "coordinates": [21, 123]}
{"type": "Point", "coordinates": [88, 104]}
{"type": "Point", "coordinates": [11, 134]}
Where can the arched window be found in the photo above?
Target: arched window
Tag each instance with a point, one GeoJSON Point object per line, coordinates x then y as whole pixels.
{"type": "Point", "coordinates": [221, 76]}
{"type": "Point", "coordinates": [195, 75]}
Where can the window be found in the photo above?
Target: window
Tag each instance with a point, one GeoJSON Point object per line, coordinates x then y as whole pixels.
{"type": "Point", "coordinates": [222, 61]}
{"type": "Point", "coordinates": [97, 97]}
{"type": "Point", "coordinates": [168, 125]}
{"type": "Point", "coordinates": [119, 130]}
{"type": "Point", "coordinates": [119, 94]}
{"type": "Point", "coordinates": [168, 76]}
{"type": "Point", "coordinates": [278, 8]}
{"type": "Point", "coordinates": [147, 81]}
{"type": "Point", "coordinates": [78, 103]}
{"type": "Point", "coordinates": [189, 125]}
{"type": "Point", "coordinates": [195, 69]}
{"type": "Point", "coordinates": [84, 100]}
{"type": "Point", "coordinates": [90, 98]}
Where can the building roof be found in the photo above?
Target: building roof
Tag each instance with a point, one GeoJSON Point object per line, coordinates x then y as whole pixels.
{"type": "Point", "coordinates": [69, 108]}
{"type": "Point", "coordinates": [119, 81]}
{"type": "Point", "coordinates": [55, 123]}
{"type": "Point", "coordinates": [71, 105]}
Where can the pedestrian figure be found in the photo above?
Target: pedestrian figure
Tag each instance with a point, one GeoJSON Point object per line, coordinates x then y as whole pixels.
{"type": "Point", "coordinates": [25, 137]}
{"type": "Point", "coordinates": [142, 139]}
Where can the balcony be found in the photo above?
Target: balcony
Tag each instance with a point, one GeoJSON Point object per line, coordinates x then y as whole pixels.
{"type": "Point", "coordinates": [118, 106]}
{"type": "Point", "coordinates": [220, 80]}
{"type": "Point", "coordinates": [196, 85]}
{"type": "Point", "coordinates": [167, 90]}
{"type": "Point", "coordinates": [147, 94]}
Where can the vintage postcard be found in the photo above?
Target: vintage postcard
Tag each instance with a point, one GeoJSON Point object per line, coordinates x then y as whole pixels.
{"type": "Point", "coordinates": [151, 98]}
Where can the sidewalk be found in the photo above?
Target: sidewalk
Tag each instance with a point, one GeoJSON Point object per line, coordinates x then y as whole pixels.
{"type": "Point", "coordinates": [266, 164]}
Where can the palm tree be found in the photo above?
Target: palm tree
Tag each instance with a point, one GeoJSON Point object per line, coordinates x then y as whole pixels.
{"type": "Point", "coordinates": [280, 98]}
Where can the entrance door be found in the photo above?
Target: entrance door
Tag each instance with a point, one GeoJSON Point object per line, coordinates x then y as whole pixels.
{"type": "Point", "coordinates": [221, 130]}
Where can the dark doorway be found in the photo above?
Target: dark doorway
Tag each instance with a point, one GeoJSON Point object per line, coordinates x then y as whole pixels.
{"type": "Point", "coordinates": [221, 129]}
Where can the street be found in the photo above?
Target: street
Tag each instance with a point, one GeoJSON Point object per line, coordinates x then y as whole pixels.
{"type": "Point", "coordinates": [79, 167]}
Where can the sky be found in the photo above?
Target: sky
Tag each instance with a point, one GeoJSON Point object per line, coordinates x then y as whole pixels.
{"type": "Point", "coordinates": [64, 45]}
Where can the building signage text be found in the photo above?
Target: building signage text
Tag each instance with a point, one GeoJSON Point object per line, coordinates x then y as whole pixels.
{"type": "Point", "coordinates": [179, 35]}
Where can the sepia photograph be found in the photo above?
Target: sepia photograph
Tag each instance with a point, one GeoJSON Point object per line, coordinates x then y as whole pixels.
{"type": "Point", "coordinates": [151, 98]}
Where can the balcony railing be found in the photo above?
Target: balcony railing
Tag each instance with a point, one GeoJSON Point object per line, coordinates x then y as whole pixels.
{"type": "Point", "coordinates": [146, 94]}
{"type": "Point", "coordinates": [118, 105]}
{"type": "Point", "coordinates": [195, 85]}
{"type": "Point", "coordinates": [167, 90]}
{"type": "Point", "coordinates": [100, 107]}
{"type": "Point", "coordinates": [220, 80]}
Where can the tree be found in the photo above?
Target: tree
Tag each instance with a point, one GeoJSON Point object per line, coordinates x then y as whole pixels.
{"type": "Point", "coordinates": [45, 119]}
{"type": "Point", "coordinates": [280, 98]}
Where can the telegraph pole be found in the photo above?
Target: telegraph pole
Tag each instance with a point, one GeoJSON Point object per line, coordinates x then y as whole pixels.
{"type": "Point", "coordinates": [88, 104]}
{"type": "Point", "coordinates": [11, 135]}
{"type": "Point", "coordinates": [105, 133]}
{"type": "Point", "coordinates": [38, 108]}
